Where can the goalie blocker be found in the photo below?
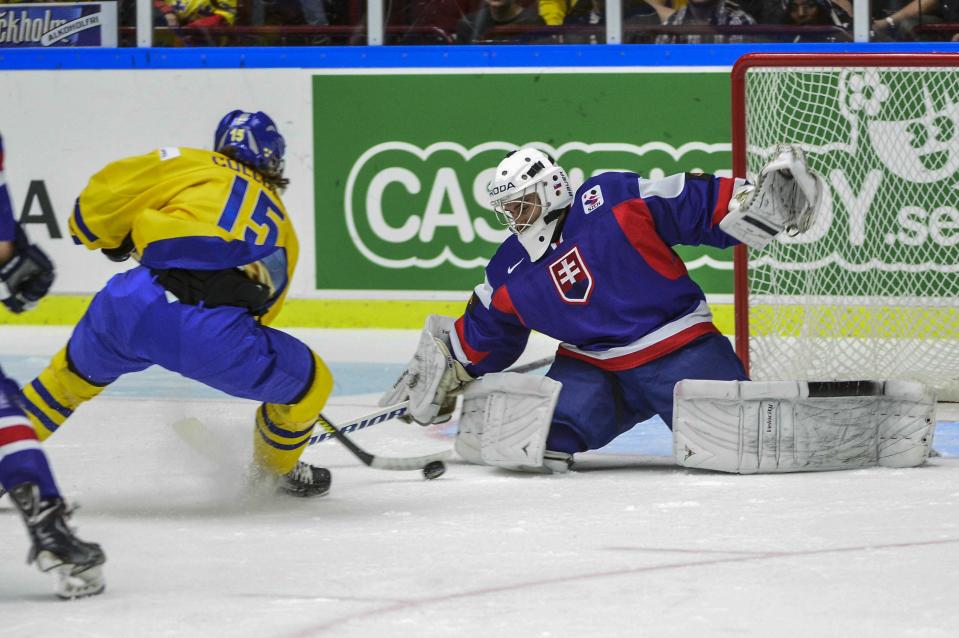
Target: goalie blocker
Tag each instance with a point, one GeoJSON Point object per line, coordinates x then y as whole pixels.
{"type": "Point", "coordinates": [750, 427]}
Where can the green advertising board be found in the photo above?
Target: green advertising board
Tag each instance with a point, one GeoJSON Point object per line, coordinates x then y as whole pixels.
{"type": "Point", "coordinates": [402, 162]}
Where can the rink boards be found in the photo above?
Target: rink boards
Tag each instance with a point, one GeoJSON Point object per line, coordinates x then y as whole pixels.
{"type": "Point", "coordinates": [389, 150]}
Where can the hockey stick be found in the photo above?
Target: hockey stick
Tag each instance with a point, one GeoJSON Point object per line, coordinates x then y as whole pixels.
{"type": "Point", "coordinates": [387, 413]}
{"type": "Point", "coordinates": [399, 410]}
{"type": "Point", "coordinates": [375, 460]}
{"type": "Point", "coordinates": [394, 412]}
{"type": "Point", "coordinates": [195, 434]}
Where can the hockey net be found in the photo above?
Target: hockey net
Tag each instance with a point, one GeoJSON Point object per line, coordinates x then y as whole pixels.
{"type": "Point", "coordinates": [871, 290]}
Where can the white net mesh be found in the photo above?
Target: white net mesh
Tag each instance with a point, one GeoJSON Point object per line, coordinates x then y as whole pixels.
{"type": "Point", "coordinates": [871, 290]}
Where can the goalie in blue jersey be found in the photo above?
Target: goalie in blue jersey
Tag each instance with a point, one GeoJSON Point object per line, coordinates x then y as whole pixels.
{"type": "Point", "coordinates": [216, 250]}
{"type": "Point", "coordinates": [596, 270]}
{"type": "Point", "coordinates": [26, 274]}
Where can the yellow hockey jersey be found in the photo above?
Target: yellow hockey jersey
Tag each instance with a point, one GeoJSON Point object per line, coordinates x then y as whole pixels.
{"type": "Point", "coordinates": [193, 209]}
{"type": "Point", "coordinates": [187, 11]}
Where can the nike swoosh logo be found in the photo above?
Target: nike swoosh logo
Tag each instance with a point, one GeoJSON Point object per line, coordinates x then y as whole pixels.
{"type": "Point", "coordinates": [509, 271]}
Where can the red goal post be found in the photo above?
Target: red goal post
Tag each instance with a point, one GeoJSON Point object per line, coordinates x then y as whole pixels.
{"type": "Point", "coordinates": [871, 290]}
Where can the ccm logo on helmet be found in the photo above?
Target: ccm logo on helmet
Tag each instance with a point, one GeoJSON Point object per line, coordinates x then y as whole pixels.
{"type": "Point", "coordinates": [502, 188]}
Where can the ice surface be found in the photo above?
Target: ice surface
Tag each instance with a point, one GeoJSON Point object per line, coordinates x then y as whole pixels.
{"type": "Point", "coordinates": [626, 546]}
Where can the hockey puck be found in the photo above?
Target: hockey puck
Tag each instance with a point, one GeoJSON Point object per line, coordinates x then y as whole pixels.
{"type": "Point", "coordinates": [433, 470]}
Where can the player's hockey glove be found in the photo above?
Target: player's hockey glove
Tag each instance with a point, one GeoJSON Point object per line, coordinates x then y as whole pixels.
{"type": "Point", "coordinates": [27, 277]}
{"type": "Point", "coordinates": [121, 252]}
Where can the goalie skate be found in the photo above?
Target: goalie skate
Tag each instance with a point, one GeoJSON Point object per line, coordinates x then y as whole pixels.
{"type": "Point", "coordinates": [76, 564]}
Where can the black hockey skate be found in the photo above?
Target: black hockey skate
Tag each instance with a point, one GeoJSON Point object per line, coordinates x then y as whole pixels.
{"type": "Point", "coordinates": [55, 547]}
{"type": "Point", "coordinates": [306, 480]}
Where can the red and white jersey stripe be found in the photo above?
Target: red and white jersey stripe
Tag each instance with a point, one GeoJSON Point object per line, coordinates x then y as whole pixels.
{"type": "Point", "coordinates": [16, 435]}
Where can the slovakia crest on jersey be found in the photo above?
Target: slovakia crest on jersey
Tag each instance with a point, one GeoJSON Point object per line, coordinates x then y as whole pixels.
{"type": "Point", "coordinates": [572, 278]}
{"type": "Point", "coordinates": [592, 199]}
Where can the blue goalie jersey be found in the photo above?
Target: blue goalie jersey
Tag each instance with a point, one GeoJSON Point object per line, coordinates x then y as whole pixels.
{"type": "Point", "coordinates": [611, 289]}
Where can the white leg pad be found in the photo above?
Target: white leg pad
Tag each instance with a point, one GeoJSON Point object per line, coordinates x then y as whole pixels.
{"type": "Point", "coordinates": [907, 424]}
{"type": "Point", "coordinates": [469, 438]}
{"type": "Point", "coordinates": [751, 427]}
{"type": "Point", "coordinates": [505, 420]}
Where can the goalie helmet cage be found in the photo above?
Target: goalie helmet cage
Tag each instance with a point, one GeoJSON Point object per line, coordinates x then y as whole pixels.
{"type": "Point", "coordinates": [870, 291]}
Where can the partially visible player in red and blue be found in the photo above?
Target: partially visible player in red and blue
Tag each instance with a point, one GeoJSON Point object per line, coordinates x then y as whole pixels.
{"type": "Point", "coordinates": [26, 274]}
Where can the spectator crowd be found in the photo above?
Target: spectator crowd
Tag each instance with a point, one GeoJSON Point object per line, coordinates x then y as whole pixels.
{"type": "Point", "coordinates": [319, 22]}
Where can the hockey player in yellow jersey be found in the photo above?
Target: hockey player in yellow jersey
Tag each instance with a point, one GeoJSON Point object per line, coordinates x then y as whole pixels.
{"type": "Point", "coordinates": [216, 253]}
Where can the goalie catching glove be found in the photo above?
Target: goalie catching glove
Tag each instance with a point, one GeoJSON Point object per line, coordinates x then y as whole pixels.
{"type": "Point", "coordinates": [433, 378]}
{"type": "Point", "coordinates": [786, 197]}
{"type": "Point", "coordinates": [26, 277]}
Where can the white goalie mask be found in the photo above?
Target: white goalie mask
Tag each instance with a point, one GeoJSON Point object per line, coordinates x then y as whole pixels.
{"type": "Point", "coordinates": [528, 193]}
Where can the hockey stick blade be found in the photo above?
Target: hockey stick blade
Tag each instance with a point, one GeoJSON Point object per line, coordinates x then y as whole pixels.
{"type": "Point", "coordinates": [195, 434]}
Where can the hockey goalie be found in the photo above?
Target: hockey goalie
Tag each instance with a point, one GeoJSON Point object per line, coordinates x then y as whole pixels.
{"type": "Point", "coordinates": [596, 270]}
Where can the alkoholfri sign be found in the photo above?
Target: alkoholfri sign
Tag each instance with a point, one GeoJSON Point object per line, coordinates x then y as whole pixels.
{"type": "Point", "coordinates": [80, 24]}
